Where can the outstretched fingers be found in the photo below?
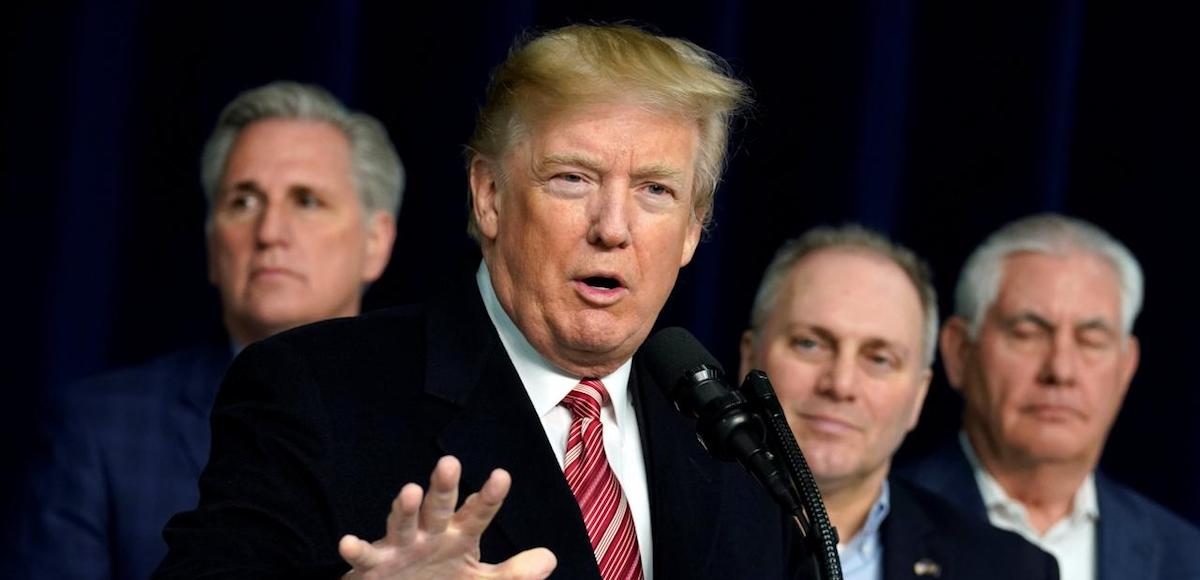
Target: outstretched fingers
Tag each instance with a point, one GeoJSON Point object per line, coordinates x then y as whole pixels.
{"type": "Point", "coordinates": [359, 553]}
{"type": "Point", "coordinates": [427, 538]}
{"type": "Point", "coordinates": [480, 507]}
{"type": "Point", "coordinates": [402, 521]}
{"type": "Point", "coordinates": [438, 507]}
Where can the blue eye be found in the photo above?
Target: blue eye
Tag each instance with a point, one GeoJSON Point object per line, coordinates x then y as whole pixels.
{"type": "Point", "coordinates": [804, 343]}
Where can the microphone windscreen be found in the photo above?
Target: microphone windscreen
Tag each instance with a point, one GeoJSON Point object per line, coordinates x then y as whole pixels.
{"type": "Point", "coordinates": [673, 352]}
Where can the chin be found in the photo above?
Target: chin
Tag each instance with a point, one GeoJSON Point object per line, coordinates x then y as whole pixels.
{"type": "Point", "coordinates": [597, 332]}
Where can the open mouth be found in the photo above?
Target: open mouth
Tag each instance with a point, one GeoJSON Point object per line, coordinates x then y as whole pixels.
{"type": "Point", "coordinates": [603, 282]}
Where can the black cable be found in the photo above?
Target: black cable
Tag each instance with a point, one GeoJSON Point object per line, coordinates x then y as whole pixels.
{"type": "Point", "coordinates": [813, 520]}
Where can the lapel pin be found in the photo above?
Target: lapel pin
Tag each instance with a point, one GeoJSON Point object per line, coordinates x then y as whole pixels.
{"type": "Point", "coordinates": [927, 567]}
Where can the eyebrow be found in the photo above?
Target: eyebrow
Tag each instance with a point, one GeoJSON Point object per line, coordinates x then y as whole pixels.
{"type": "Point", "coordinates": [658, 171]}
{"type": "Point", "coordinates": [651, 171]}
{"type": "Point", "coordinates": [877, 342]}
{"type": "Point", "coordinates": [247, 185]}
{"type": "Point", "coordinates": [589, 163]}
{"type": "Point", "coordinates": [1030, 317]}
{"type": "Point", "coordinates": [869, 342]}
{"type": "Point", "coordinates": [1096, 323]}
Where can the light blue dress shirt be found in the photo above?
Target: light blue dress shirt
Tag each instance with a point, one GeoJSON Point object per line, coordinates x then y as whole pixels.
{"type": "Point", "coordinates": [862, 558]}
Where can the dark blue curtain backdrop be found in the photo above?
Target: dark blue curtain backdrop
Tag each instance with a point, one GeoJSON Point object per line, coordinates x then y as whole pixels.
{"type": "Point", "coordinates": [934, 122]}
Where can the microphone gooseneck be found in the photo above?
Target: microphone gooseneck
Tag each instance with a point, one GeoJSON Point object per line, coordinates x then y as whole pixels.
{"type": "Point", "coordinates": [747, 426]}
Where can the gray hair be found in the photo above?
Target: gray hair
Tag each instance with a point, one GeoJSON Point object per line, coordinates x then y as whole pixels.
{"type": "Point", "coordinates": [1048, 233]}
{"type": "Point", "coordinates": [850, 236]}
{"type": "Point", "coordinates": [377, 172]}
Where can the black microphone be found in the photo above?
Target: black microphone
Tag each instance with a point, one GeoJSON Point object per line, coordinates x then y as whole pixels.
{"type": "Point", "coordinates": [726, 423]}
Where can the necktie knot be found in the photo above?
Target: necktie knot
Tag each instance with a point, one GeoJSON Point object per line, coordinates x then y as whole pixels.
{"type": "Point", "coordinates": [586, 399]}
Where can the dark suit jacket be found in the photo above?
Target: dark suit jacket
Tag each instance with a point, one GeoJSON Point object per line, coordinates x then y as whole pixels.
{"type": "Point", "coordinates": [924, 532]}
{"type": "Point", "coordinates": [1135, 537]}
{"type": "Point", "coordinates": [316, 430]}
{"type": "Point", "coordinates": [122, 454]}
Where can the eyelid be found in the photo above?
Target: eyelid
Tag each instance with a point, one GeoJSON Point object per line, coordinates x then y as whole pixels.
{"type": "Point", "coordinates": [669, 190]}
{"type": "Point", "coordinates": [886, 357]}
{"type": "Point", "coordinates": [1095, 336]}
{"type": "Point", "coordinates": [241, 197]}
{"type": "Point", "coordinates": [1028, 327]}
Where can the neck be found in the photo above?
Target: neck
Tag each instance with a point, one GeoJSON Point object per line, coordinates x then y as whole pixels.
{"type": "Point", "coordinates": [1045, 488]}
{"type": "Point", "coordinates": [849, 503]}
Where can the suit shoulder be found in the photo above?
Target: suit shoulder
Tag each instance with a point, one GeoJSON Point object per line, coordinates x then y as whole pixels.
{"type": "Point", "coordinates": [348, 333]}
{"type": "Point", "coordinates": [977, 541]}
{"type": "Point", "coordinates": [327, 357]}
{"type": "Point", "coordinates": [157, 379]}
{"type": "Point", "coordinates": [1122, 503]}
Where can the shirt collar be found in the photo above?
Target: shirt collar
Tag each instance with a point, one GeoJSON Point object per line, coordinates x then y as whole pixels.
{"type": "Point", "coordinates": [1084, 505]}
{"type": "Point", "coordinates": [869, 534]}
{"type": "Point", "coordinates": [546, 384]}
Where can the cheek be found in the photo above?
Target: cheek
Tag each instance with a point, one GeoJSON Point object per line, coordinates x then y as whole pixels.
{"type": "Point", "coordinates": [793, 381]}
{"type": "Point", "coordinates": [340, 252]}
{"type": "Point", "coordinates": [893, 410]}
{"type": "Point", "coordinates": [1003, 376]}
{"type": "Point", "coordinates": [1102, 389]}
{"type": "Point", "coordinates": [231, 248]}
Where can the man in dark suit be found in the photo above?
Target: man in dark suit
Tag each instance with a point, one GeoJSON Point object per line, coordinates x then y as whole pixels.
{"type": "Point", "coordinates": [592, 172]}
{"type": "Point", "coordinates": [302, 196]}
{"type": "Point", "coordinates": [845, 324]}
{"type": "Point", "coordinates": [1042, 350]}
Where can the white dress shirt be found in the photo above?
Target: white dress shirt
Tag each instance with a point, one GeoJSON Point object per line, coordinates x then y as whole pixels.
{"type": "Point", "coordinates": [1072, 540]}
{"type": "Point", "coordinates": [547, 385]}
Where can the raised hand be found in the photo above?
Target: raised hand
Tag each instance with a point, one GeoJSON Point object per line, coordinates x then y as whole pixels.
{"type": "Point", "coordinates": [429, 539]}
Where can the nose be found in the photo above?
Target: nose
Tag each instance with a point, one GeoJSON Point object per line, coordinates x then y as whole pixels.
{"type": "Point", "coordinates": [273, 227]}
{"type": "Point", "coordinates": [1059, 365]}
{"type": "Point", "coordinates": [837, 382]}
{"type": "Point", "coordinates": [610, 227]}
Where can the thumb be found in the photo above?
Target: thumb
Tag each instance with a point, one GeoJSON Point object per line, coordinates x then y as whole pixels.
{"type": "Point", "coordinates": [534, 564]}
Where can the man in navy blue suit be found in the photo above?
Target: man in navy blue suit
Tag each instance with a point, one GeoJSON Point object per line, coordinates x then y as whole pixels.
{"type": "Point", "coordinates": [1042, 350]}
{"type": "Point", "coordinates": [845, 324]}
{"type": "Point", "coordinates": [302, 199]}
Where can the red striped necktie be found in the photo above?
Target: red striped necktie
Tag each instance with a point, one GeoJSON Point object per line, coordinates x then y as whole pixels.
{"type": "Point", "coordinates": [606, 513]}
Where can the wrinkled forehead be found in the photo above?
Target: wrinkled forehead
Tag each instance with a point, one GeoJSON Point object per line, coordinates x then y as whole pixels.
{"type": "Point", "coordinates": [606, 133]}
{"type": "Point", "coordinates": [856, 291]}
{"type": "Point", "coordinates": [1063, 287]}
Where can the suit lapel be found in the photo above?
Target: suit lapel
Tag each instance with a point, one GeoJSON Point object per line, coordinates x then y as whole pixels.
{"type": "Point", "coordinates": [684, 488]}
{"type": "Point", "coordinates": [1121, 538]}
{"type": "Point", "coordinates": [497, 427]}
{"type": "Point", "coordinates": [913, 548]}
{"type": "Point", "coordinates": [205, 367]}
{"type": "Point", "coordinates": [949, 474]}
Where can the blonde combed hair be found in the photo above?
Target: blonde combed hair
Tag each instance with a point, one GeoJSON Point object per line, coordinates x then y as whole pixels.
{"type": "Point", "coordinates": [587, 64]}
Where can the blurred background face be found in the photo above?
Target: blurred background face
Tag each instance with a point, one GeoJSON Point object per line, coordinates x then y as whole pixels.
{"type": "Point", "coordinates": [289, 243]}
{"type": "Point", "coordinates": [587, 230]}
{"type": "Point", "coordinates": [843, 349]}
{"type": "Point", "coordinates": [1046, 376]}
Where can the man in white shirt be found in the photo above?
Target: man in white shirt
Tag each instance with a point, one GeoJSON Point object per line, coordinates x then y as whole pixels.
{"type": "Point", "coordinates": [1042, 350]}
{"type": "Point", "coordinates": [592, 173]}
